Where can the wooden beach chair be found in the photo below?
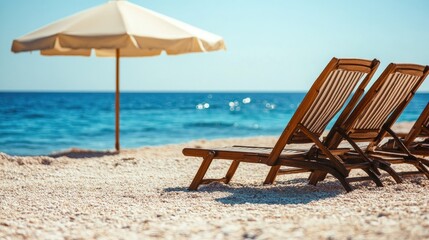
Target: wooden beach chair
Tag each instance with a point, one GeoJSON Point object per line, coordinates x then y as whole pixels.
{"type": "Point", "coordinates": [373, 117]}
{"type": "Point", "coordinates": [420, 129]}
{"type": "Point", "coordinates": [324, 99]}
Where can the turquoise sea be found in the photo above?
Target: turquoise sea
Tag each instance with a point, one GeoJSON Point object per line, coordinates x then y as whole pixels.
{"type": "Point", "coordinates": [42, 123]}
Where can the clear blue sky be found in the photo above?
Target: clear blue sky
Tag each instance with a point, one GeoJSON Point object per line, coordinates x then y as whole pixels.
{"type": "Point", "coordinates": [272, 45]}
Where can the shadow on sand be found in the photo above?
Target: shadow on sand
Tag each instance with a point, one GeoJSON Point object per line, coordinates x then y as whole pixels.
{"type": "Point", "coordinates": [295, 191]}
{"type": "Point", "coordinates": [82, 153]}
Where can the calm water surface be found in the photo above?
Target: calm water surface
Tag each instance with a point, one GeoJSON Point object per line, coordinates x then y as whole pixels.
{"type": "Point", "coordinates": [42, 123]}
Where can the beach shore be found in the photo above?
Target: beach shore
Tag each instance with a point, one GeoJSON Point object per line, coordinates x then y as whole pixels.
{"type": "Point", "coordinates": [142, 194]}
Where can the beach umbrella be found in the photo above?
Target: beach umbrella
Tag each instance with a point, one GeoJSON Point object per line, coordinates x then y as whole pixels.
{"type": "Point", "coordinates": [117, 29]}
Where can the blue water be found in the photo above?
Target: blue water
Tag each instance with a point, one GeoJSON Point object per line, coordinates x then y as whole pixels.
{"type": "Point", "coordinates": [42, 123]}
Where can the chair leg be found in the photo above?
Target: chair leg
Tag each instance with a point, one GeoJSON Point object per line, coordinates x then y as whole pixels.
{"type": "Point", "coordinates": [346, 185]}
{"type": "Point", "coordinates": [272, 175]}
{"type": "Point", "coordinates": [373, 176]}
{"type": "Point", "coordinates": [201, 172]}
{"type": "Point", "coordinates": [322, 177]}
{"type": "Point", "coordinates": [231, 171]}
{"type": "Point", "coordinates": [424, 161]}
{"type": "Point", "coordinates": [376, 171]}
{"type": "Point", "coordinates": [422, 169]}
{"type": "Point", "coordinates": [391, 172]}
{"type": "Point", "coordinates": [315, 177]}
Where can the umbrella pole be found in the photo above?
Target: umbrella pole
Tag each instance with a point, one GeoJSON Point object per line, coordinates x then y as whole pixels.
{"type": "Point", "coordinates": [117, 106]}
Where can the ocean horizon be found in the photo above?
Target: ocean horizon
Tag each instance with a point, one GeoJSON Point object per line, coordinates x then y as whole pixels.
{"type": "Point", "coordinates": [41, 123]}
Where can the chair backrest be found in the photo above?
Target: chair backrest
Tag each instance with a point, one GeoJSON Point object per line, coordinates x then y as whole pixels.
{"type": "Point", "coordinates": [381, 105]}
{"type": "Point", "coordinates": [325, 98]}
{"type": "Point", "coordinates": [420, 127]}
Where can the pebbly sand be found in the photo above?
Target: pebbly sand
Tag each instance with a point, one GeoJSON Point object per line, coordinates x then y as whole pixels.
{"type": "Point", "coordinates": [142, 194]}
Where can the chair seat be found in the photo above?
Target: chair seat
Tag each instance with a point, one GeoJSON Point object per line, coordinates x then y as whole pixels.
{"type": "Point", "coordinates": [244, 151]}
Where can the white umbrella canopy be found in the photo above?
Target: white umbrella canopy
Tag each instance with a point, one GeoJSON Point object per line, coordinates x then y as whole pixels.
{"type": "Point", "coordinates": [136, 31]}
{"type": "Point", "coordinates": [118, 28]}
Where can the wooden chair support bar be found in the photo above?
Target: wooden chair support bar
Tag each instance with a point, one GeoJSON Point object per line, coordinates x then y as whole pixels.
{"type": "Point", "coordinates": [421, 151]}
{"type": "Point", "coordinates": [387, 168]}
{"type": "Point", "coordinates": [353, 143]}
{"type": "Point", "coordinates": [315, 177]}
{"type": "Point", "coordinates": [202, 171]}
{"type": "Point", "coordinates": [398, 141]}
{"type": "Point", "coordinates": [423, 169]}
{"type": "Point", "coordinates": [358, 179]}
{"type": "Point", "coordinates": [373, 176]}
{"type": "Point", "coordinates": [291, 171]}
{"type": "Point", "coordinates": [199, 177]}
{"type": "Point", "coordinates": [231, 171]}
{"type": "Point", "coordinates": [336, 161]}
{"type": "Point", "coordinates": [272, 174]}
{"type": "Point", "coordinates": [424, 161]}
{"type": "Point", "coordinates": [425, 129]}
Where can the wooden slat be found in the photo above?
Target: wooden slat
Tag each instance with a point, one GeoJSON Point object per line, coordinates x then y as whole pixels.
{"type": "Point", "coordinates": [354, 62]}
{"type": "Point", "coordinates": [252, 155]}
{"type": "Point", "coordinates": [411, 67]}
{"type": "Point", "coordinates": [358, 179]}
{"type": "Point", "coordinates": [291, 171]}
{"type": "Point", "coordinates": [364, 134]}
{"type": "Point", "coordinates": [341, 94]}
{"type": "Point", "coordinates": [411, 72]}
{"type": "Point", "coordinates": [334, 93]}
{"type": "Point", "coordinates": [355, 68]}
